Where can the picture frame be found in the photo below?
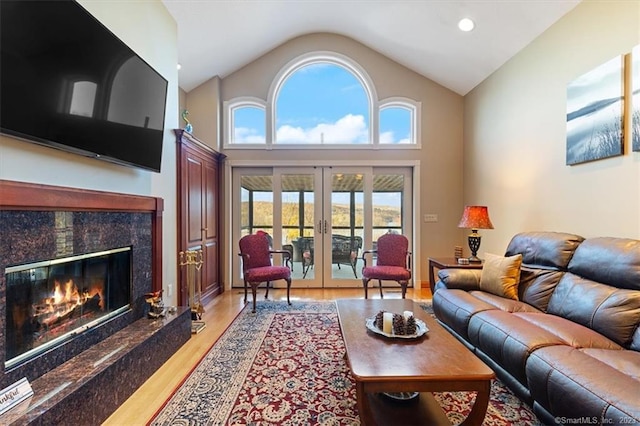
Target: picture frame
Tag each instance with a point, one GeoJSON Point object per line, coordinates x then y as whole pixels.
{"type": "Point", "coordinates": [635, 99]}
{"type": "Point", "coordinates": [595, 102]}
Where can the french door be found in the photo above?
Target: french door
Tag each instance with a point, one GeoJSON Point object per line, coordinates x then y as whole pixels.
{"type": "Point", "coordinates": [324, 216]}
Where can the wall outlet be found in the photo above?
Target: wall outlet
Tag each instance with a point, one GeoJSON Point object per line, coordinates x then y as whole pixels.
{"type": "Point", "coordinates": [430, 217]}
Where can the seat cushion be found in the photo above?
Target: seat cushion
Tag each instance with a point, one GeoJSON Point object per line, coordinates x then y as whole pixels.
{"type": "Point", "coordinates": [508, 339]}
{"type": "Point", "coordinates": [395, 273]}
{"type": "Point", "coordinates": [455, 307]}
{"type": "Point", "coordinates": [596, 383]}
{"type": "Point", "coordinates": [504, 304]}
{"type": "Point", "coordinates": [571, 333]}
{"type": "Point", "coordinates": [267, 273]}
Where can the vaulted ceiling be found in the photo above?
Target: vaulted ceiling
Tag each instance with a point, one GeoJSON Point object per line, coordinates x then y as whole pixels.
{"type": "Point", "coordinates": [217, 37]}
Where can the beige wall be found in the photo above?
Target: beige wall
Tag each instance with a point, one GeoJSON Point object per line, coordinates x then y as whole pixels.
{"type": "Point", "coordinates": [514, 127]}
{"type": "Point", "coordinates": [440, 158]}
{"type": "Point", "coordinates": [149, 30]}
{"type": "Point", "coordinates": [204, 106]}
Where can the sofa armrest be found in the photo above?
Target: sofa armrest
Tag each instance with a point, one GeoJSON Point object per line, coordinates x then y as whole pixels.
{"type": "Point", "coordinates": [463, 279]}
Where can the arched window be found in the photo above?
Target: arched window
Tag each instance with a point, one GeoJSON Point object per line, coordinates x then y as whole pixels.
{"type": "Point", "coordinates": [247, 121]}
{"type": "Point", "coordinates": [322, 99]}
{"type": "Point", "coordinates": [398, 122]}
{"type": "Point", "coordinates": [322, 103]}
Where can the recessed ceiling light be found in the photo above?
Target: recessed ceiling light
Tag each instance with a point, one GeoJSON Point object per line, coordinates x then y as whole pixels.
{"type": "Point", "coordinates": [179, 66]}
{"type": "Point", "coordinates": [466, 24]}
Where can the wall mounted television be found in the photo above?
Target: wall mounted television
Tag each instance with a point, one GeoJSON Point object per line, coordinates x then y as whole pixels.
{"type": "Point", "coordinates": [68, 82]}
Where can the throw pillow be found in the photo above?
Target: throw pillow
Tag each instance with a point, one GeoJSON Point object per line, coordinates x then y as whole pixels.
{"type": "Point", "coordinates": [501, 275]}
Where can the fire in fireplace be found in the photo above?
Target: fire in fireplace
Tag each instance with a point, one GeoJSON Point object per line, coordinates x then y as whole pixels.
{"type": "Point", "coordinates": [52, 301]}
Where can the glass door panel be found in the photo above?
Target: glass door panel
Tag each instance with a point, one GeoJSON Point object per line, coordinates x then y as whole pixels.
{"type": "Point", "coordinates": [254, 200]}
{"type": "Point", "coordinates": [387, 206]}
{"type": "Point", "coordinates": [346, 224]}
{"type": "Point", "coordinates": [300, 189]}
{"type": "Point", "coordinates": [256, 205]}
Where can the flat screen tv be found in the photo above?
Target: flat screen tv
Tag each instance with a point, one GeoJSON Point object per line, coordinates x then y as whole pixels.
{"type": "Point", "coordinates": [70, 83]}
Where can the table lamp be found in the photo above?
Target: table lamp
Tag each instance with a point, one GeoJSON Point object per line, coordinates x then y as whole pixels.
{"type": "Point", "coordinates": [474, 218]}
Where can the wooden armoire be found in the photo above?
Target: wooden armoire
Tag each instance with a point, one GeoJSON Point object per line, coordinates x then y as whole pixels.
{"type": "Point", "coordinates": [199, 169]}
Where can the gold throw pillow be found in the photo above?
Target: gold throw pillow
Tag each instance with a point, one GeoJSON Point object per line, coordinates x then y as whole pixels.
{"type": "Point", "coordinates": [501, 275]}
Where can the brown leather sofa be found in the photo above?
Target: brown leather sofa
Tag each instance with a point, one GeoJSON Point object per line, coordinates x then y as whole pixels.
{"type": "Point", "coordinates": [570, 344]}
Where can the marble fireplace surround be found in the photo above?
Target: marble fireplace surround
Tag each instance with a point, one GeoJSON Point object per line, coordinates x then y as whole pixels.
{"type": "Point", "coordinates": [40, 222]}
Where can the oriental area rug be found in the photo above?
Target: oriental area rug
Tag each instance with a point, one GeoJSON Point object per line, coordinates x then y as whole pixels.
{"type": "Point", "coordinates": [284, 365]}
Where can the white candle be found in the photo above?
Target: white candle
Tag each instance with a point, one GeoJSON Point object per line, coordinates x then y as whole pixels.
{"type": "Point", "coordinates": [387, 322]}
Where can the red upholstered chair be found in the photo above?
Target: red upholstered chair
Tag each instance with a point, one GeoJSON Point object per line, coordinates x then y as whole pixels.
{"type": "Point", "coordinates": [393, 263]}
{"type": "Point", "coordinates": [257, 267]}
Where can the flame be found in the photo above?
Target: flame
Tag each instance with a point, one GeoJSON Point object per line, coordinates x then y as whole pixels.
{"type": "Point", "coordinates": [66, 293]}
{"type": "Point", "coordinates": [65, 298]}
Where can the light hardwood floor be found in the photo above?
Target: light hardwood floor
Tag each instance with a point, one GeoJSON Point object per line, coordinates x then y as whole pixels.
{"type": "Point", "coordinates": [143, 404]}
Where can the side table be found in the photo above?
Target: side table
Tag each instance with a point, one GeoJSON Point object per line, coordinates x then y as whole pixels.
{"type": "Point", "coordinates": [446, 263]}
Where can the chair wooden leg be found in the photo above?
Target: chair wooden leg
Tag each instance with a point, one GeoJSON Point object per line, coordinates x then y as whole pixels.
{"type": "Point", "coordinates": [266, 295]}
{"type": "Point", "coordinates": [365, 283]}
{"type": "Point", "coordinates": [245, 291]}
{"type": "Point", "coordinates": [288, 290]}
{"type": "Point", "coordinates": [254, 291]}
{"type": "Point", "coordinates": [403, 285]}
{"type": "Point", "coordinates": [380, 285]}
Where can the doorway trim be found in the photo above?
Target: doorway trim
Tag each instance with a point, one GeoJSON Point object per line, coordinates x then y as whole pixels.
{"type": "Point", "coordinates": [230, 250]}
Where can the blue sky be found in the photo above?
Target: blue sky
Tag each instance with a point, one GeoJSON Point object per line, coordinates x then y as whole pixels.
{"type": "Point", "coordinates": [322, 103]}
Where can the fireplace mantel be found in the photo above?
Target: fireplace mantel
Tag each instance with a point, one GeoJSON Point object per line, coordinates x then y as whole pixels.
{"type": "Point", "coordinates": [30, 196]}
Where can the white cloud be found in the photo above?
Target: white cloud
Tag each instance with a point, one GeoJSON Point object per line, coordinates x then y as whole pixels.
{"type": "Point", "coordinates": [246, 135]}
{"type": "Point", "coordinates": [386, 137]}
{"type": "Point", "coordinates": [350, 129]}
{"type": "Point", "coordinates": [389, 138]}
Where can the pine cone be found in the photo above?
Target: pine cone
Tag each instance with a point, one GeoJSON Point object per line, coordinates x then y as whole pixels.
{"type": "Point", "coordinates": [398, 324]}
{"type": "Point", "coordinates": [379, 320]}
{"type": "Point", "coordinates": [411, 326]}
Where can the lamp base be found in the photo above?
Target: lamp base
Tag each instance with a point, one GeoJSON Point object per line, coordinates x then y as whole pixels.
{"type": "Point", "coordinates": [474, 244]}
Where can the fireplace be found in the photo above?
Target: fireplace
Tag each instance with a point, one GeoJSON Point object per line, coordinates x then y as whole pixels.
{"type": "Point", "coordinates": [40, 224]}
{"type": "Point", "coordinates": [83, 262]}
{"type": "Point", "coordinates": [50, 302]}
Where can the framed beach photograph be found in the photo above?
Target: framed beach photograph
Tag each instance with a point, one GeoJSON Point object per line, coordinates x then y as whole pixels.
{"type": "Point", "coordinates": [594, 114]}
{"type": "Point", "coordinates": [635, 99]}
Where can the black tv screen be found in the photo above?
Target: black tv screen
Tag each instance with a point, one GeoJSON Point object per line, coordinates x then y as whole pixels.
{"type": "Point", "coordinates": [70, 83]}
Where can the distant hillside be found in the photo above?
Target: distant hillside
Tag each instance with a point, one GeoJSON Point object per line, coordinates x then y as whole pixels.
{"type": "Point", "coordinates": [263, 214]}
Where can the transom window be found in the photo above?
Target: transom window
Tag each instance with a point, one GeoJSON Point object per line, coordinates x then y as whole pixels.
{"type": "Point", "coordinates": [321, 100]}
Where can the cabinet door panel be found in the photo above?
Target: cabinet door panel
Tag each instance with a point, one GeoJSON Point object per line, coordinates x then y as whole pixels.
{"type": "Point", "coordinates": [194, 199]}
{"type": "Point", "coordinates": [211, 286]}
{"type": "Point", "coordinates": [210, 173]}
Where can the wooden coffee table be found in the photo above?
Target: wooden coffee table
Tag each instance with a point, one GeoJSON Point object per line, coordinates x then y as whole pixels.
{"type": "Point", "coordinates": [435, 362]}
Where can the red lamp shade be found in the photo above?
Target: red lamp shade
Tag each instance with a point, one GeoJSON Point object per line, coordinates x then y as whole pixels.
{"type": "Point", "coordinates": [475, 217]}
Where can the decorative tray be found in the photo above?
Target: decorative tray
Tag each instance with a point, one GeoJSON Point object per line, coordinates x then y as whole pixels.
{"type": "Point", "coordinates": [401, 396]}
{"type": "Point", "coordinates": [420, 326]}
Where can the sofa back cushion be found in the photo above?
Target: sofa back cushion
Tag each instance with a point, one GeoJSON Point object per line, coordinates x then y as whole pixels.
{"type": "Point", "coordinates": [612, 261]}
{"type": "Point", "coordinates": [602, 288]}
{"type": "Point", "coordinates": [547, 250]}
{"type": "Point", "coordinates": [537, 285]}
{"type": "Point", "coordinates": [545, 257]}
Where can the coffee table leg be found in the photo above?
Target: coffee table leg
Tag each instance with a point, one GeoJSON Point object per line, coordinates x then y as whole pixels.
{"type": "Point", "coordinates": [479, 410]}
{"type": "Point", "coordinates": [362, 403]}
